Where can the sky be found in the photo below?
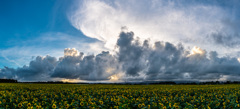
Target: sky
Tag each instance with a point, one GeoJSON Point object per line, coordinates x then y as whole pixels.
{"type": "Point", "coordinates": [117, 40]}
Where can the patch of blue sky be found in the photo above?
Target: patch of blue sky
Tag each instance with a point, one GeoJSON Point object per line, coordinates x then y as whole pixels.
{"type": "Point", "coordinates": [31, 28]}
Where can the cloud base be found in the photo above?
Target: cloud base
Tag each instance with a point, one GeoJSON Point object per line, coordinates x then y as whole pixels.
{"type": "Point", "coordinates": [134, 60]}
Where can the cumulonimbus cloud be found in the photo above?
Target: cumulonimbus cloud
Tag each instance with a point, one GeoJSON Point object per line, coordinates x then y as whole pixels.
{"type": "Point", "coordinates": [134, 60]}
{"type": "Point", "coordinates": [210, 25]}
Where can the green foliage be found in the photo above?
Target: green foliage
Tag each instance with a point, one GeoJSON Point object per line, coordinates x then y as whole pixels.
{"type": "Point", "coordinates": [118, 96]}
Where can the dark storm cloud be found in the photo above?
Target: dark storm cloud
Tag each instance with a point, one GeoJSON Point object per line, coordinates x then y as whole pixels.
{"type": "Point", "coordinates": [130, 54]}
{"type": "Point", "coordinates": [169, 62]}
{"type": "Point", "coordinates": [7, 72]}
{"type": "Point", "coordinates": [99, 67]}
{"type": "Point", "coordinates": [38, 69]}
{"type": "Point", "coordinates": [67, 66]}
{"type": "Point", "coordinates": [135, 59]}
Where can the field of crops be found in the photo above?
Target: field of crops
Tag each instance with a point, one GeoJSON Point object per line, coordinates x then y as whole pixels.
{"type": "Point", "coordinates": [118, 96]}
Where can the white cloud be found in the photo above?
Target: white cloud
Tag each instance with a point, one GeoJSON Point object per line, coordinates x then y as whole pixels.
{"type": "Point", "coordinates": [70, 52]}
{"type": "Point", "coordinates": [157, 20]}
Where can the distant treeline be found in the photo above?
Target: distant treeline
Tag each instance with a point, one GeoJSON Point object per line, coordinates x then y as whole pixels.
{"type": "Point", "coordinates": [148, 83]}
{"type": "Point", "coordinates": [129, 83]}
{"type": "Point", "coordinates": [190, 83]}
{"type": "Point", "coordinates": [8, 81]}
{"type": "Point", "coordinates": [52, 82]}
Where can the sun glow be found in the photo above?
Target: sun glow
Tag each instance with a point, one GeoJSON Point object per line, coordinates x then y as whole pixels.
{"type": "Point", "coordinates": [238, 60]}
{"type": "Point", "coordinates": [71, 80]}
{"type": "Point", "coordinates": [71, 52]}
{"type": "Point", "coordinates": [114, 78]}
{"type": "Point", "coordinates": [196, 50]}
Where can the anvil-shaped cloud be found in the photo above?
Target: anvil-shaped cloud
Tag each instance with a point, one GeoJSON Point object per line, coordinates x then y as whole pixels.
{"type": "Point", "coordinates": [209, 24]}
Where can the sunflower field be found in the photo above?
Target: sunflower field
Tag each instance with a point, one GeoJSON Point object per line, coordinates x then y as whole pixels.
{"type": "Point", "coordinates": [79, 96]}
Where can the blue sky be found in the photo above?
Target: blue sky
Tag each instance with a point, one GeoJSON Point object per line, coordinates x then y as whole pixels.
{"type": "Point", "coordinates": [120, 39]}
{"type": "Point", "coordinates": [25, 21]}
